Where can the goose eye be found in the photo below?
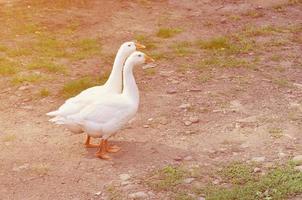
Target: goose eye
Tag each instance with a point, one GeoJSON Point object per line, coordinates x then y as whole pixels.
{"type": "Point", "coordinates": [129, 45]}
{"type": "Point", "coordinates": [139, 55]}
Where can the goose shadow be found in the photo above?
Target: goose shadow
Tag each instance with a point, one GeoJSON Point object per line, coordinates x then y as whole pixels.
{"type": "Point", "coordinates": [143, 154]}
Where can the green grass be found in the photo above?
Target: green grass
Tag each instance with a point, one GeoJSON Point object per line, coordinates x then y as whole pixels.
{"type": "Point", "coordinates": [215, 43]}
{"type": "Point", "coordinates": [74, 87]}
{"type": "Point", "coordinates": [147, 41]}
{"type": "Point", "coordinates": [29, 78]}
{"type": "Point", "coordinates": [44, 92]}
{"type": "Point", "coordinates": [17, 52]}
{"type": "Point", "coordinates": [182, 48]}
{"type": "Point", "coordinates": [167, 178]}
{"type": "Point", "coordinates": [8, 67]}
{"type": "Point", "coordinates": [275, 132]}
{"type": "Point", "coordinates": [9, 138]}
{"type": "Point", "coordinates": [277, 184]}
{"type": "Point", "coordinates": [86, 48]}
{"type": "Point", "coordinates": [282, 82]}
{"type": "Point", "coordinates": [168, 32]}
{"type": "Point", "coordinates": [237, 173]}
{"type": "Point", "coordinates": [223, 62]}
{"type": "Point", "coordinates": [47, 65]}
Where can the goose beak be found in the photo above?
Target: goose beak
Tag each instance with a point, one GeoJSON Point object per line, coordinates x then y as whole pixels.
{"type": "Point", "coordinates": [139, 46]}
{"type": "Point", "coordinates": [148, 59]}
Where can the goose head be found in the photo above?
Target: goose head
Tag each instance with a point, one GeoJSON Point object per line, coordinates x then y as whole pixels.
{"type": "Point", "coordinates": [139, 58]}
{"type": "Point", "coordinates": [128, 48]}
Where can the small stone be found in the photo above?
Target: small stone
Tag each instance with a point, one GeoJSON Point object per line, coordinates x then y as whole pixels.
{"type": "Point", "coordinates": [258, 159]}
{"type": "Point", "coordinates": [125, 177]}
{"type": "Point", "coordinates": [282, 155]}
{"type": "Point", "coordinates": [298, 168]}
{"type": "Point", "coordinates": [223, 20]}
{"type": "Point", "coordinates": [24, 88]}
{"type": "Point", "coordinates": [185, 106]}
{"type": "Point", "coordinates": [138, 195]}
{"type": "Point", "coordinates": [171, 91]}
{"type": "Point", "coordinates": [178, 158]}
{"type": "Point", "coordinates": [298, 159]}
{"type": "Point", "coordinates": [125, 183]}
{"type": "Point", "coordinates": [187, 123]}
{"type": "Point", "coordinates": [188, 180]}
{"type": "Point", "coordinates": [201, 198]}
{"type": "Point", "coordinates": [150, 119]}
{"type": "Point", "coordinates": [98, 193]}
{"type": "Point", "coordinates": [194, 119]}
{"type": "Point", "coordinates": [216, 181]}
{"type": "Point", "coordinates": [17, 169]}
{"type": "Point", "coordinates": [151, 194]}
{"type": "Point", "coordinates": [27, 107]}
{"type": "Point", "coordinates": [257, 169]}
{"type": "Point", "coordinates": [146, 126]}
{"type": "Point", "coordinates": [163, 120]}
{"type": "Point", "coordinates": [244, 145]}
{"type": "Point", "coordinates": [188, 158]}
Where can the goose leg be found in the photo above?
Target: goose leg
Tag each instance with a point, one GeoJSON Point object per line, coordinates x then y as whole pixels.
{"type": "Point", "coordinates": [101, 153]}
{"type": "Point", "coordinates": [87, 143]}
{"type": "Point", "coordinates": [112, 148]}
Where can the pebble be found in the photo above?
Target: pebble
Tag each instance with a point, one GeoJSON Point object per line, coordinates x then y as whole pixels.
{"type": "Point", "coordinates": [223, 21]}
{"type": "Point", "coordinates": [258, 159]}
{"type": "Point", "coordinates": [257, 169]}
{"type": "Point", "coordinates": [188, 180]}
{"type": "Point", "coordinates": [178, 158]}
{"type": "Point", "coordinates": [194, 119]}
{"type": "Point", "coordinates": [298, 159]}
{"type": "Point", "coordinates": [298, 168]}
{"type": "Point", "coordinates": [146, 126]}
{"type": "Point", "coordinates": [216, 182]}
{"type": "Point", "coordinates": [24, 88]}
{"type": "Point", "coordinates": [201, 198]}
{"type": "Point", "coordinates": [17, 169]}
{"type": "Point", "coordinates": [98, 193]}
{"type": "Point", "coordinates": [282, 155]}
{"type": "Point", "coordinates": [187, 123]}
{"type": "Point", "coordinates": [125, 183]}
{"type": "Point", "coordinates": [171, 91]}
{"type": "Point", "coordinates": [188, 158]}
{"type": "Point", "coordinates": [185, 106]}
{"type": "Point", "coordinates": [125, 177]}
{"type": "Point", "coordinates": [138, 195]}
{"type": "Point", "coordinates": [27, 107]}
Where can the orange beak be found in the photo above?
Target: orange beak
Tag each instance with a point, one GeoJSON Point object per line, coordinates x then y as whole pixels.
{"type": "Point", "coordinates": [139, 46]}
{"type": "Point", "coordinates": [148, 59]}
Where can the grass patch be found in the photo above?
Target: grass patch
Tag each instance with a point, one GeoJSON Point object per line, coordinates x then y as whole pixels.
{"type": "Point", "coordinates": [252, 31]}
{"type": "Point", "coordinates": [278, 184]}
{"type": "Point", "coordinates": [167, 178]}
{"type": "Point", "coordinates": [237, 173]}
{"type": "Point", "coordinates": [182, 48]}
{"type": "Point", "coordinates": [19, 52]}
{"type": "Point", "coordinates": [275, 132]}
{"type": "Point", "coordinates": [41, 169]}
{"type": "Point", "coordinates": [44, 92]}
{"type": "Point", "coordinates": [8, 67]}
{"type": "Point", "coordinates": [30, 78]}
{"type": "Point", "coordinates": [215, 43]}
{"type": "Point", "coordinates": [281, 82]}
{"type": "Point", "coordinates": [254, 14]}
{"type": "Point", "coordinates": [47, 65]}
{"type": "Point", "coordinates": [168, 32]}
{"type": "Point", "coordinates": [147, 41]}
{"type": "Point", "coordinates": [9, 138]}
{"type": "Point", "coordinates": [85, 48]}
{"type": "Point", "coordinates": [224, 62]}
{"type": "Point", "coordinates": [74, 87]}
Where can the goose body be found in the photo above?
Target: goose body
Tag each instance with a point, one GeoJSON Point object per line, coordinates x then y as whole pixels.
{"type": "Point", "coordinates": [112, 86]}
{"type": "Point", "coordinates": [104, 117]}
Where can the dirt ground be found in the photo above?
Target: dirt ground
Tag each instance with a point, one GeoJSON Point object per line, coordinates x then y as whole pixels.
{"type": "Point", "coordinates": [242, 113]}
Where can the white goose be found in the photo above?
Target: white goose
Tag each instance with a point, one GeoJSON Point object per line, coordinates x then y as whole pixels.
{"type": "Point", "coordinates": [112, 86]}
{"type": "Point", "coordinates": [106, 116]}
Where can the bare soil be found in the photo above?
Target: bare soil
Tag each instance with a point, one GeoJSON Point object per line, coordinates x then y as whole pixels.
{"type": "Point", "coordinates": [236, 108]}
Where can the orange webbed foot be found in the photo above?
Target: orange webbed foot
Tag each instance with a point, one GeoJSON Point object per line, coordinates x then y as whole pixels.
{"type": "Point", "coordinates": [103, 156]}
{"type": "Point", "coordinates": [113, 149]}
